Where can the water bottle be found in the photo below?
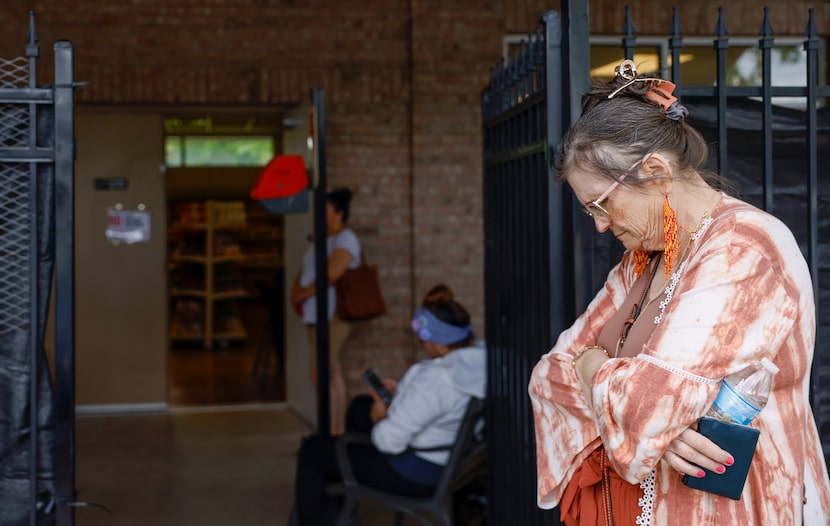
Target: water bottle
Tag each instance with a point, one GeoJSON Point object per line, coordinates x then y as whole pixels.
{"type": "Point", "coordinates": [743, 394]}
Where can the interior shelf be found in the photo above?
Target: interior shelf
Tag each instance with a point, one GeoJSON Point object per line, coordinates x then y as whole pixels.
{"type": "Point", "coordinates": [193, 293]}
{"type": "Point", "coordinates": [216, 257]}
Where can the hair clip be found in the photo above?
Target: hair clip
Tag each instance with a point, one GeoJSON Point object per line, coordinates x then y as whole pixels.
{"type": "Point", "coordinates": [660, 92]}
{"type": "Point", "coordinates": [628, 71]}
{"type": "Point", "coordinates": [661, 95]}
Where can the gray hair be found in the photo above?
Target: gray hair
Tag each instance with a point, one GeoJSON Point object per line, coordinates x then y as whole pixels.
{"type": "Point", "coordinates": [612, 134]}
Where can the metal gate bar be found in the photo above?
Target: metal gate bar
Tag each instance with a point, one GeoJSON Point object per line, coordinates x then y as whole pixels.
{"type": "Point", "coordinates": [64, 283]}
{"type": "Point", "coordinates": [527, 219]}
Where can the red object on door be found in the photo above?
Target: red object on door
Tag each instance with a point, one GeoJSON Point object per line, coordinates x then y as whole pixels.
{"type": "Point", "coordinates": [283, 176]}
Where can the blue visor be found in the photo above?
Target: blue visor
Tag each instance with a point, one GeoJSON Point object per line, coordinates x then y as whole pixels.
{"type": "Point", "coordinates": [431, 329]}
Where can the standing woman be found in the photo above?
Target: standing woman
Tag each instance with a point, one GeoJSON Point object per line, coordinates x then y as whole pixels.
{"type": "Point", "coordinates": [708, 285]}
{"type": "Point", "coordinates": [343, 249]}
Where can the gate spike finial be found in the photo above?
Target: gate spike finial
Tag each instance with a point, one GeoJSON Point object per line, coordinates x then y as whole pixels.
{"type": "Point", "coordinates": [675, 30]}
{"type": "Point", "coordinates": [517, 65]}
{"type": "Point", "coordinates": [628, 25]}
{"type": "Point", "coordinates": [811, 31]}
{"type": "Point", "coordinates": [720, 29]}
{"type": "Point", "coordinates": [32, 49]}
{"type": "Point", "coordinates": [502, 74]}
{"type": "Point", "coordinates": [766, 26]}
{"type": "Point", "coordinates": [522, 66]}
{"type": "Point", "coordinates": [494, 80]}
{"type": "Point", "coordinates": [629, 41]}
{"type": "Point", "coordinates": [675, 45]}
{"type": "Point", "coordinates": [31, 36]}
{"type": "Point", "coordinates": [539, 50]}
{"type": "Point", "coordinates": [529, 65]}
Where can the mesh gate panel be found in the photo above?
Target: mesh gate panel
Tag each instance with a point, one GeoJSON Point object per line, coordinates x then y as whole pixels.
{"type": "Point", "coordinates": [14, 73]}
{"type": "Point", "coordinates": [15, 235]}
{"type": "Point", "coordinates": [15, 231]}
{"type": "Point", "coordinates": [14, 125]}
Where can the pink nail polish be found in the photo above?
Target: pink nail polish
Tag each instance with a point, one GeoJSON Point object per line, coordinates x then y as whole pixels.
{"type": "Point", "coordinates": [720, 469]}
{"type": "Point", "coordinates": [701, 474]}
{"type": "Point", "coordinates": [729, 461]}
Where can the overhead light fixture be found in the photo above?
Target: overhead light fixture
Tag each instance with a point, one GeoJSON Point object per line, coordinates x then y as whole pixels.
{"type": "Point", "coordinates": [646, 62]}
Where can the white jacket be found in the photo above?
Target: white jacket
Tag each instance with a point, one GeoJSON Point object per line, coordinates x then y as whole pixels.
{"type": "Point", "coordinates": [430, 402]}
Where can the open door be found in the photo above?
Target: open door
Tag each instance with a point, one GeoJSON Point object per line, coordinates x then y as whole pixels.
{"type": "Point", "coordinates": [299, 393]}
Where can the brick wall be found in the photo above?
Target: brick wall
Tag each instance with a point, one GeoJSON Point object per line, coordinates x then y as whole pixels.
{"type": "Point", "coordinates": [451, 67]}
{"type": "Point", "coordinates": [402, 79]}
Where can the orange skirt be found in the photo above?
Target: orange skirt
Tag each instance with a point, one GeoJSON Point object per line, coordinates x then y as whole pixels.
{"type": "Point", "coordinates": [585, 501]}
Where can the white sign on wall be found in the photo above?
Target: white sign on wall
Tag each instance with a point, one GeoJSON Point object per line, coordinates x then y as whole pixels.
{"type": "Point", "coordinates": [128, 226]}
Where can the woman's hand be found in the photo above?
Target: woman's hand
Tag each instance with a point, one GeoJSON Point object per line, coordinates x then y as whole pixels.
{"type": "Point", "coordinates": [587, 362]}
{"type": "Point", "coordinates": [691, 451]}
{"type": "Point", "coordinates": [298, 293]}
{"type": "Point", "coordinates": [379, 409]}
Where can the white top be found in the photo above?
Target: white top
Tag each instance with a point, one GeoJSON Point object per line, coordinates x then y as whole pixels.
{"type": "Point", "coordinates": [346, 239]}
{"type": "Point", "coordinates": [430, 403]}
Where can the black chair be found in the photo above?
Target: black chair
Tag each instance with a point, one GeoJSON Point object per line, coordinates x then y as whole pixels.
{"type": "Point", "coordinates": [468, 449]}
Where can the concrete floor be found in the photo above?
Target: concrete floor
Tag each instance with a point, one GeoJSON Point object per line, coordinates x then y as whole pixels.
{"type": "Point", "coordinates": [229, 466]}
{"type": "Point", "coordinates": [205, 467]}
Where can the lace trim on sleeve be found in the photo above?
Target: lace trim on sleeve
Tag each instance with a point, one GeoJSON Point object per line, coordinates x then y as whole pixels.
{"type": "Point", "coordinates": [676, 370]}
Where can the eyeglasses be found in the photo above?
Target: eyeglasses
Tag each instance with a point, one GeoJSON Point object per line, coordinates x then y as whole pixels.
{"type": "Point", "coordinates": [595, 209]}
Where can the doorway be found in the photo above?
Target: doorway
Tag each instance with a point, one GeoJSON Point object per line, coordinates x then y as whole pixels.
{"type": "Point", "coordinates": [124, 362]}
{"type": "Point", "coordinates": [226, 337]}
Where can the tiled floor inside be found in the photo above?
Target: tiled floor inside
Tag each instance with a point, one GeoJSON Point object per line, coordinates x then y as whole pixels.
{"type": "Point", "coordinates": [226, 374]}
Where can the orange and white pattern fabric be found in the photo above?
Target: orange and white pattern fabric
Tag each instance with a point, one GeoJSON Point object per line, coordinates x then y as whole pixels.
{"type": "Point", "coordinates": [743, 293]}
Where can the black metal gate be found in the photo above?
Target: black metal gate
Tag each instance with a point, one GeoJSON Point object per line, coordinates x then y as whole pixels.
{"type": "Point", "coordinates": [529, 292]}
{"type": "Point", "coordinates": [544, 262]}
{"type": "Point", "coordinates": [36, 220]}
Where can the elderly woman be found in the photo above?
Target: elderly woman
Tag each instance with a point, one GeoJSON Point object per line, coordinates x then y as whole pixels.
{"type": "Point", "coordinates": [707, 286]}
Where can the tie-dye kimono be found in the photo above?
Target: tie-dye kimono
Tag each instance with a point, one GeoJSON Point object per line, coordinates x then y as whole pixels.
{"type": "Point", "coordinates": [743, 293]}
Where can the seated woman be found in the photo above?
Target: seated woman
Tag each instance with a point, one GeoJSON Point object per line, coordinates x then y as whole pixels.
{"type": "Point", "coordinates": [425, 411]}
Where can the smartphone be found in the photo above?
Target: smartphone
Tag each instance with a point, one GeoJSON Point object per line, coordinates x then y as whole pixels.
{"type": "Point", "coordinates": [377, 386]}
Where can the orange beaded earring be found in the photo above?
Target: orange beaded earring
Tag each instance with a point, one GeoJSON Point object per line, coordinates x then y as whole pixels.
{"type": "Point", "coordinates": [670, 236]}
{"type": "Point", "coordinates": [640, 262]}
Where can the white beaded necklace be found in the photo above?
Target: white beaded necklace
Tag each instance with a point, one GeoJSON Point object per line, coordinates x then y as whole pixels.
{"type": "Point", "coordinates": [675, 277]}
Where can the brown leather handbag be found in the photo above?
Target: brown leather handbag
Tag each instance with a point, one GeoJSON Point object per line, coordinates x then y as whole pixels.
{"type": "Point", "coordinates": [359, 296]}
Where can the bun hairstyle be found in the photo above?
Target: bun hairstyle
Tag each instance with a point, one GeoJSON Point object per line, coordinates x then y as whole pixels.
{"type": "Point", "coordinates": [439, 294]}
{"type": "Point", "coordinates": [625, 120]}
{"type": "Point", "coordinates": [440, 301]}
{"type": "Point", "coordinates": [340, 198]}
